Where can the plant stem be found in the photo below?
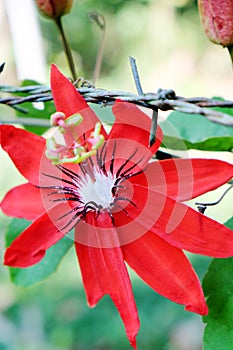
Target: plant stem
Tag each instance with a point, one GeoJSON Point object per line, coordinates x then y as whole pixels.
{"type": "Point", "coordinates": [100, 21]}
{"type": "Point", "coordinates": [66, 48]}
{"type": "Point", "coordinates": [230, 50]}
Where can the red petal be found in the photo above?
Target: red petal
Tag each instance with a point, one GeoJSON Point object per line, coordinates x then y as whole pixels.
{"type": "Point", "coordinates": [25, 149]}
{"type": "Point", "coordinates": [107, 268]}
{"type": "Point", "coordinates": [185, 228]}
{"type": "Point", "coordinates": [180, 225]}
{"type": "Point", "coordinates": [131, 123]}
{"type": "Point", "coordinates": [69, 101]}
{"type": "Point", "coordinates": [167, 270]}
{"type": "Point", "coordinates": [183, 179]}
{"type": "Point", "coordinates": [23, 201]}
{"type": "Point", "coordinates": [66, 98]}
{"type": "Point", "coordinates": [91, 285]}
{"type": "Point", "coordinates": [31, 245]}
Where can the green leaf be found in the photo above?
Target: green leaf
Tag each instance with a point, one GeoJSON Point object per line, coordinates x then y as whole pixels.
{"type": "Point", "coordinates": [218, 288]}
{"type": "Point", "coordinates": [193, 131]}
{"type": "Point", "coordinates": [28, 276]}
{"type": "Point", "coordinates": [104, 113]}
{"type": "Point", "coordinates": [42, 110]}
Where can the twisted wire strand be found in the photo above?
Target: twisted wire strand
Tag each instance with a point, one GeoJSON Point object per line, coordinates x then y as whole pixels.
{"type": "Point", "coordinates": [164, 100]}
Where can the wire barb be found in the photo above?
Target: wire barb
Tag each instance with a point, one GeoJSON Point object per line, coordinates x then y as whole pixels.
{"type": "Point", "coordinates": [134, 69]}
{"type": "Point", "coordinates": [153, 128]}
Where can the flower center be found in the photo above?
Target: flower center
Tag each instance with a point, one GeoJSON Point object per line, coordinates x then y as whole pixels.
{"type": "Point", "coordinates": [97, 189]}
{"type": "Point", "coordinates": [98, 185]}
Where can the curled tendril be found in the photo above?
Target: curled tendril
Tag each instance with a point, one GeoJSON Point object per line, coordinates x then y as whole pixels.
{"type": "Point", "coordinates": [98, 18]}
{"type": "Point", "coordinates": [201, 207]}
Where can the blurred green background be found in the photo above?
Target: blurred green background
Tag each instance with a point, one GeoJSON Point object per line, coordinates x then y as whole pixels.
{"type": "Point", "coordinates": [172, 52]}
{"type": "Point", "coordinates": [53, 315]}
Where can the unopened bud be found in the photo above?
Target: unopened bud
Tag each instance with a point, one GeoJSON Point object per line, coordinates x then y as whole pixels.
{"type": "Point", "coordinates": [54, 8]}
{"type": "Point", "coordinates": [217, 20]}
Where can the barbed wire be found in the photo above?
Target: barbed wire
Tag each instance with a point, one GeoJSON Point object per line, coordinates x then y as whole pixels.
{"type": "Point", "coordinates": [163, 100]}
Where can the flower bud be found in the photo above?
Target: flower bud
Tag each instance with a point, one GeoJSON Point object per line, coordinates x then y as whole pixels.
{"type": "Point", "coordinates": [54, 8]}
{"type": "Point", "coordinates": [217, 20]}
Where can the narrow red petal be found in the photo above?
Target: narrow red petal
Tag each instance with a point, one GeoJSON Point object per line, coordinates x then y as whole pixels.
{"type": "Point", "coordinates": [106, 267]}
{"type": "Point", "coordinates": [69, 101]}
{"type": "Point", "coordinates": [31, 245]}
{"type": "Point", "coordinates": [180, 225]}
{"type": "Point", "coordinates": [167, 270]}
{"type": "Point", "coordinates": [23, 201]}
{"type": "Point", "coordinates": [113, 278]}
{"type": "Point", "coordinates": [208, 174]}
{"type": "Point", "coordinates": [183, 179]}
{"type": "Point", "coordinates": [186, 228]}
{"type": "Point", "coordinates": [66, 98]}
{"type": "Point", "coordinates": [91, 285]}
{"type": "Point", "coordinates": [131, 123]}
{"type": "Point", "coordinates": [25, 149]}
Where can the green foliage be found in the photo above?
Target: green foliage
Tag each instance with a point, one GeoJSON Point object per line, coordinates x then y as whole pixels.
{"type": "Point", "coordinates": [35, 110]}
{"type": "Point", "coordinates": [85, 36]}
{"type": "Point", "coordinates": [193, 131]}
{"type": "Point", "coordinates": [28, 276]}
{"type": "Point", "coordinates": [56, 317]}
{"type": "Point", "coordinates": [104, 113]}
{"type": "Point", "coordinates": [218, 288]}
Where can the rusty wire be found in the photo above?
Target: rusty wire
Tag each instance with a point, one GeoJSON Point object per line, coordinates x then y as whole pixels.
{"type": "Point", "coordinates": [164, 100]}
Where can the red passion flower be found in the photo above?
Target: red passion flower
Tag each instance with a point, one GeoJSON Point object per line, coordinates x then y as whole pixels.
{"type": "Point", "coordinates": [122, 205]}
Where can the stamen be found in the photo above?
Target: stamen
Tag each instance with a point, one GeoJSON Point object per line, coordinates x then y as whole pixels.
{"type": "Point", "coordinates": [80, 149]}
